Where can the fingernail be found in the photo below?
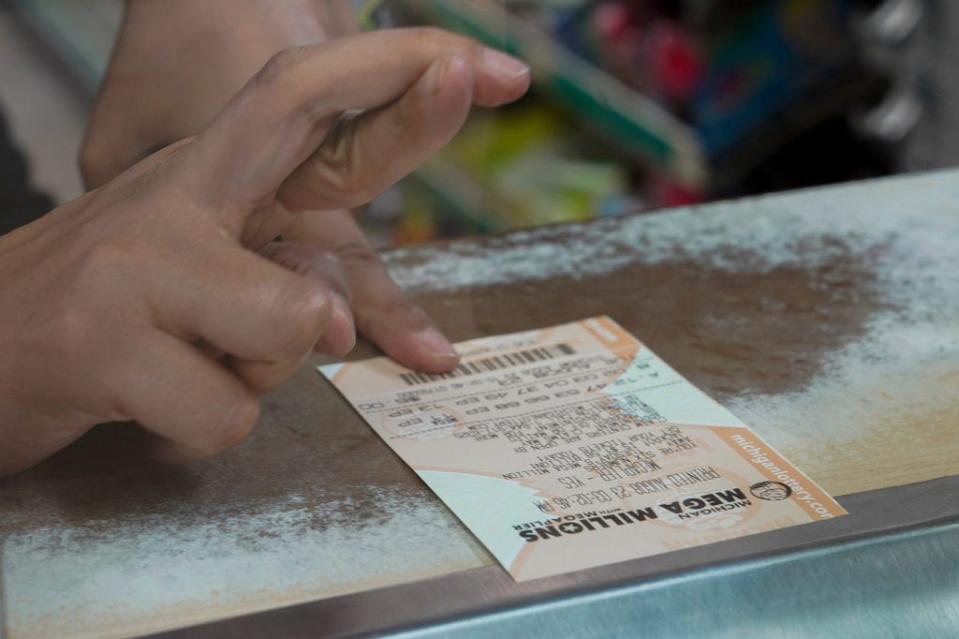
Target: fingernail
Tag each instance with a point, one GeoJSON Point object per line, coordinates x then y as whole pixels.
{"type": "Point", "coordinates": [504, 65]}
{"type": "Point", "coordinates": [436, 344]}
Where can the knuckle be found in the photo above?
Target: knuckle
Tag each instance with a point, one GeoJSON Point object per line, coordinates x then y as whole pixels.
{"type": "Point", "coordinates": [343, 170]}
{"type": "Point", "coordinates": [280, 80]}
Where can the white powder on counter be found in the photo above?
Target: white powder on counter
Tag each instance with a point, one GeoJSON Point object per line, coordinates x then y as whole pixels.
{"type": "Point", "coordinates": [148, 575]}
{"type": "Point", "coordinates": [900, 373]}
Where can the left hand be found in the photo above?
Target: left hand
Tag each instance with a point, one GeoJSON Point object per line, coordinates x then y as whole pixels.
{"type": "Point", "coordinates": [176, 64]}
{"type": "Point", "coordinates": [157, 271]}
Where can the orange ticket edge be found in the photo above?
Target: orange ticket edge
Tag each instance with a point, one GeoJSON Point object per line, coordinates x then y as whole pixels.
{"type": "Point", "coordinates": [737, 438]}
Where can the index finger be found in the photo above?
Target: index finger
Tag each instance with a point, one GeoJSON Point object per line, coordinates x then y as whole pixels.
{"type": "Point", "coordinates": [383, 313]}
{"type": "Point", "coordinates": [284, 113]}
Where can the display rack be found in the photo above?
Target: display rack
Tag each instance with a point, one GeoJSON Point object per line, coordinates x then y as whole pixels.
{"type": "Point", "coordinates": [636, 125]}
{"type": "Point", "coordinates": [665, 159]}
{"type": "Point", "coordinates": [682, 161]}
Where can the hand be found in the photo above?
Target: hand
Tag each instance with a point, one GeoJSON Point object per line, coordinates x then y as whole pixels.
{"type": "Point", "coordinates": [148, 299]}
{"type": "Point", "coordinates": [176, 63]}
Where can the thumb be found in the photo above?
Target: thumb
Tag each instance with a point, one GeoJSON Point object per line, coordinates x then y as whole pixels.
{"type": "Point", "coordinates": [283, 115]}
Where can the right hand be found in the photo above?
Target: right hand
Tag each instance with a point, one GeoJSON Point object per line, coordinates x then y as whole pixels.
{"type": "Point", "coordinates": [175, 65]}
{"type": "Point", "coordinates": [148, 299]}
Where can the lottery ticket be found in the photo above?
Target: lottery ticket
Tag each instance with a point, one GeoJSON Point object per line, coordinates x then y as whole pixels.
{"type": "Point", "coordinates": [575, 446]}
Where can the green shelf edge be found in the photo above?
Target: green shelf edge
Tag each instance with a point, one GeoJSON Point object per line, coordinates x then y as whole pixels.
{"type": "Point", "coordinates": [681, 158]}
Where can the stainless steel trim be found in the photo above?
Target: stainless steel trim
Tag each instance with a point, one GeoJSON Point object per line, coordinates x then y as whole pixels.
{"type": "Point", "coordinates": [485, 590]}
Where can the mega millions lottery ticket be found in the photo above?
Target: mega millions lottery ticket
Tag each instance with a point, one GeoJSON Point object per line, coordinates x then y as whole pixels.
{"type": "Point", "coordinates": [575, 446]}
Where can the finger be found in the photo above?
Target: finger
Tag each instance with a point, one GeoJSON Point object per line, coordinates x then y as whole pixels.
{"type": "Point", "coordinates": [279, 119]}
{"type": "Point", "coordinates": [191, 401]}
{"type": "Point", "coordinates": [363, 156]}
{"type": "Point", "coordinates": [311, 261]}
{"type": "Point", "coordinates": [367, 154]}
{"type": "Point", "coordinates": [262, 314]}
{"type": "Point", "coordinates": [141, 107]}
{"type": "Point", "coordinates": [383, 313]}
{"type": "Point", "coordinates": [340, 337]}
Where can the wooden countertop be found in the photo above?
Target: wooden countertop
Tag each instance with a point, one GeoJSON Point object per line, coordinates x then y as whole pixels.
{"type": "Point", "coordinates": [827, 319]}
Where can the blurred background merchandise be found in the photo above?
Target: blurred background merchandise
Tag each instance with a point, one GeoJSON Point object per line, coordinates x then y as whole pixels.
{"type": "Point", "coordinates": [644, 104]}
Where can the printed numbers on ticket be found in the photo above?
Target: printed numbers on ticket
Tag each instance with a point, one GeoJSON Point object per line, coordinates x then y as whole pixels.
{"type": "Point", "coordinates": [576, 446]}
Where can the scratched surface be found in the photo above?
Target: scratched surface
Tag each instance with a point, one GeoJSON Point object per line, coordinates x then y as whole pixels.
{"type": "Point", "coordinates": [827, 319]}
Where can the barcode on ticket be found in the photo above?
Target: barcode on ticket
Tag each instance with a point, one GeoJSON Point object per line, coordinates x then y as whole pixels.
{"type": "Point", "coordinates": [493, 363]}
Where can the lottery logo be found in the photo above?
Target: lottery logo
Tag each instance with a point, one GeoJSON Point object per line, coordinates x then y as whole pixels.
{"type": "Point", "coordinates": [770, 491]}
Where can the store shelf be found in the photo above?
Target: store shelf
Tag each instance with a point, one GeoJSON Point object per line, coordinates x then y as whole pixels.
{"type": "Point", "coordinates": [664, 158]}
{"type": "Point", "coordinates": [634, 124]}
{"type": "Point", "coordinates": [460, 195]}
